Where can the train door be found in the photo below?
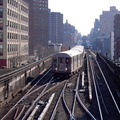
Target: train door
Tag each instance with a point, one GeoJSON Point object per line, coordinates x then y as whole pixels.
{"type": "Point", "coordinates": [73, 64]}
{"type": "Point", "coordinates": [61, 64]}
{"type": "Point", "coordinates": [80, 60]}
{"type": "Point", "coordinates": [77, 61]}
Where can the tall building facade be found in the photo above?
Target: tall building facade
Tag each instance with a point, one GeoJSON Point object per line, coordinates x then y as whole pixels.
{"type": "Point", "coordinates": [14, 15]}
{"type": "Point", "coordinates": [107, 21]}
{"type": "Point", "coordinates": [117, 37]}
{"type": "Point", "coordinates": [55, 27]}
{"type": "Point", "coordinates": [69, 34]}
{"type": "Point", "coordinates": [38, 23]}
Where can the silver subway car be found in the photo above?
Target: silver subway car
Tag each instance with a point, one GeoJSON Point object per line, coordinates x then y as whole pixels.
{"type": "Point", "coordinates": [68, 62]}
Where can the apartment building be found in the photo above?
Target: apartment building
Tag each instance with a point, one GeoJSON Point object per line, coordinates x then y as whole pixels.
{"type": "Point", "coordinates": [117, 37]}
{"type": "Point", "coordinates": [55, 27]}
{"type": "Point", "coordinates": [13, 32]}
{"type": "Point", "coordinates": [69, 34]}
{"type": "Point", "coordinates": [38, 23]}
{"type": "Point", "coordinates": [107, 20]}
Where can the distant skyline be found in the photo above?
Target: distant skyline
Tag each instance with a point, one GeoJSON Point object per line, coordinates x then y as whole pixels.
{"type": "Point", "coordinates": [82, 13]}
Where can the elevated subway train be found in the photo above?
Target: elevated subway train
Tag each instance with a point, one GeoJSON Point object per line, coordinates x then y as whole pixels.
{"type": "Point", "coordinates": [68, 62]}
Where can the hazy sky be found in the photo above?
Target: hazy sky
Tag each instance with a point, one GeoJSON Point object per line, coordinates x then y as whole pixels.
{"type": "Point", "coordinates": [82, 13]}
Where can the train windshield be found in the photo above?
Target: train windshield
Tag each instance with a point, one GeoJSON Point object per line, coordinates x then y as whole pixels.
{"type": "Point", "coordinates": [61, 60]}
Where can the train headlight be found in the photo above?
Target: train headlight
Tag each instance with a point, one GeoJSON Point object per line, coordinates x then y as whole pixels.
{"type": "Point", "coordinates": [66, 69]}
{"type": "Point", "coordinates": [56, 69]}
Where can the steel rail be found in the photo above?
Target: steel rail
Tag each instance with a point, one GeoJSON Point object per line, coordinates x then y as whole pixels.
{"type": "Point", "coordinates": [14, 72]}
{"type": "Point", "coordinates": [39, 87]}
{"type": "Point", "coordinates": [3, 118]}
{"type": "Point", "coordinates": [101, 96]}
{"type": "Point", "coordinates": [21, 112]}
{"type": "Point", "coordinates": [34, 103]}
{"type": "Point", "coordinates": [15, 115]}
{"type": "Point", "coordinates": [107, 84]}
{"type": "Point", "coordinates": [42, 115]}
{"type": "Point", "coordinates": [76, 89]}
{"type": "Point", "coordinates": [89, 81]}
{"type": "Point", "coordinates": [83, 106]}
{"type": "Point", "coordinates": [107, 64]}
{"type": "Point", "coordinates": [19, 70]}
{"type": "Point", "coordinates": [55, 109]}
{"type": "Point", "coordinates": [96, 92]}
{"type": "Point", "coordinates": [43, 93]}
{"type": "Point", "coordinates": [77, 96]}
{"type": "Point", "coordinates": [29, 92]}
{"type": "Point", "coordinates": [108, 88]}
{"type": "Point", "coordinates": [70, 113]}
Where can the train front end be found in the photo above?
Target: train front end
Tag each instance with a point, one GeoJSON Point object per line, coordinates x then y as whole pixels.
{"type": "Point", "coordinates": [61, 65]}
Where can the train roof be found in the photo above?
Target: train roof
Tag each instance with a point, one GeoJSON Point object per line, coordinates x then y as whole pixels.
{"type": "Point", "coordinates": [79, 48]}
{"type": "Point", "coordinates": [69, 53]}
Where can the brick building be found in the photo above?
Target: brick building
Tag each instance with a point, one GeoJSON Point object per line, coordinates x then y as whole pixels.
{"type": "Point", "coordinates": [38, 24]}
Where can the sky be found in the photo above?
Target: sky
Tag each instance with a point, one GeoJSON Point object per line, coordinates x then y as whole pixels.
{"type": "Point", "coordinates": [82, 13]}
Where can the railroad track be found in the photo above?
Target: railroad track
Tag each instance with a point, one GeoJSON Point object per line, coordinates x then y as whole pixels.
{"type": "Point", "coordinates": [107, 104]}
{"type": "Point", "coordinates": [66, 88]}
{"type": "Point", "coordinates": [70, 99]}
{"type": "Point", "coordinates": [76, 98]}
{"type": "Point", "coordinates": [72, 104]}
{"type": "Point", "coordinates": [32, 100]}
{"type": "Point", "coordinates": [33, 89]}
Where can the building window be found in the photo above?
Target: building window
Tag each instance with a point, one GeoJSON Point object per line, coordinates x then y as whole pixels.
{"type": "Point", "coordinates": [1, 2]}
{"type": "Point", "coordinates": [1, 12]}
{"type": "Point", "coordinates": [1, 50]}
{"type": "Point", "coordinates": [1, 25]}
{"type": "Point", "coordinates": [1, 37]}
